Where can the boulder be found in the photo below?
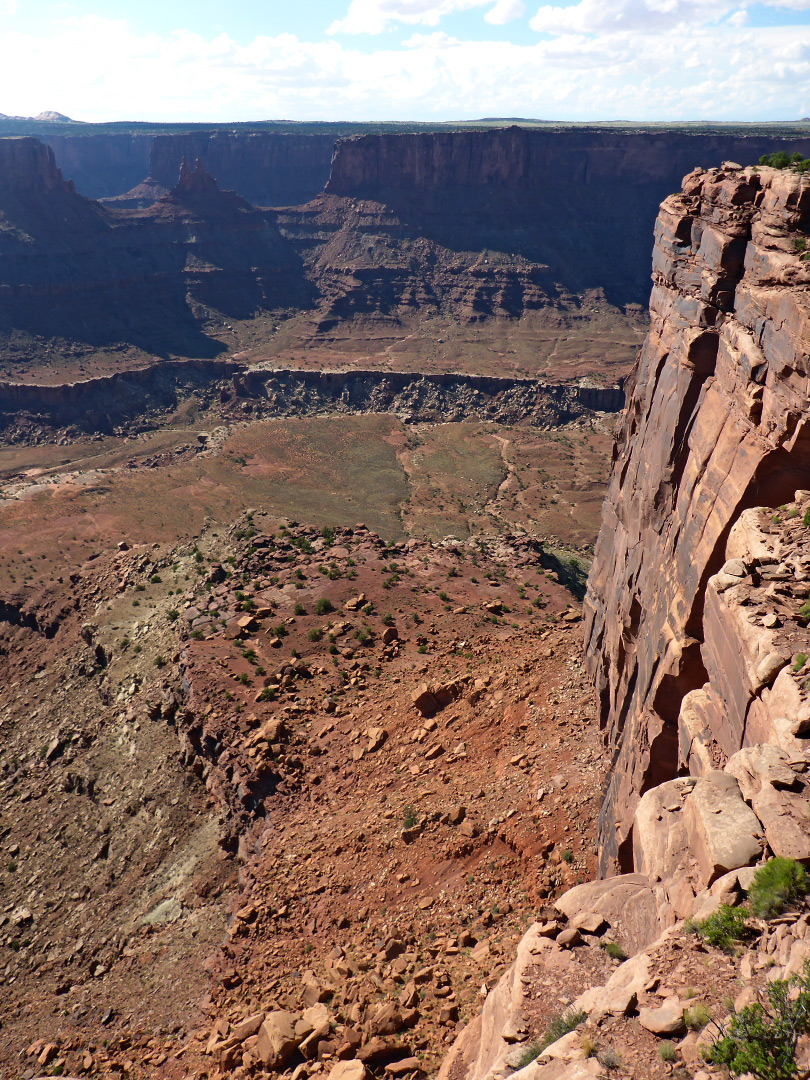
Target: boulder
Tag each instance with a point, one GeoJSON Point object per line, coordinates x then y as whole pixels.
{"type": "Point", "coordinates": [348, 1070]}
{"type": "Point", "coordinates": [666, 1020]}
{"type": "Point", "coordinates": [424, 700]}
{"type": "Point", "coordinates": [778, 794]}
{"type": "Point", "coordinates": [626, 903]}
{"type": "Point", "coordinates": [277, 1040]}
{"type": "Point", "coordinates": [724, 832]}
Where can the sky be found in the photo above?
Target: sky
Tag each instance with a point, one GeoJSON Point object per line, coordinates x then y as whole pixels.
{"type": "Point", "coordinates": [231, 60]}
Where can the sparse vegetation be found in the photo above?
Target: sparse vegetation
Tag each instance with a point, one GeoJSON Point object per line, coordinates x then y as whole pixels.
{"type": "Point", "coordinates": [722, 929]}
{"type": "Point", "coordinates": [614, 951]}
{"type": "Point", "coordinates": [324, 606]}
{"type": "Point", "coordinates": [761, 1038]}
{"type": "Point", "coordinates": [697, 1016]}
{"type": "Point", "coordinates": [561, 1025]}
{"type": "Point", "coordinates": [666, 1051]}
{"type": "Point", "coordinates": [777, 885]}
{"type": "Point", "coordinates": [530, 1054]}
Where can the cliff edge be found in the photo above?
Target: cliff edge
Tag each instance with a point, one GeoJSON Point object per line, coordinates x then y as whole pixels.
{"type": "Point", "coordinates": [716, 423]}
{"type": "Point", "coordinates": [698, 637]}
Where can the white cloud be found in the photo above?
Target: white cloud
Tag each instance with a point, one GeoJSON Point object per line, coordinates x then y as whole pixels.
{"type": "Point", "coordinates": [505, 11]}
{"type": "Point", "coordinates": [99, 69]}
{"type": "Point", "coordinates": [373, 16]}
{"type": "Point", "coordinates": [612, 16]}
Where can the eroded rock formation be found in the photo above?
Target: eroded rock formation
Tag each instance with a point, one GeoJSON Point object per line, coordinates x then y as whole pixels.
{"type": "Point", "coordinates": [73, 269]}
{"type": "Point", "coordinates": [716, 424]}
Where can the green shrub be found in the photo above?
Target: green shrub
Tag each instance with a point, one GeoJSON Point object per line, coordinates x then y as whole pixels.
{"type": "Point", "coordinates": [697, 1016]}
{"type": "Point", "coordinates": [800, 661]}
{"type": "Point", "coordinates": [324, 606]}
{"type": "Point", "coordinates": [804, 610]}
{"type": "Point", "coordinates": [299, 609]}
{"type": "Point", "coordinates": [777, 884]}
{"type": "Point", "coordinates": [761, 1039]}
{"type": "Point", "coordinates": [532, 1051]}
{"type": "Point", "coordinates": [408, 821]}
{"type": "Point", "coordinates": [614, 951]}
{"type": "Point", "coordinates": [561, 1025]}
{"type": "Point", "coordinates": [666, 1051]}
{"type": "Point", "coordinates": [723, 928]}
{"type": "Point", "coordinates": [315, 634]}
{"type": "Point", "coordinates": [173, 615]}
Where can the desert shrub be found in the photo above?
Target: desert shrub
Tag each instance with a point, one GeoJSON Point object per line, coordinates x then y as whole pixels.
{"type": "Point", "coordinates": [697, 1016]}
{"type": "Point", "coordinates": [777, 884]}
{"type": "Point", "coordinates": [609, 1058]}
{"type": "Point", "coordinates": [799, 661]}
{"type": "Point", "coordinates": [324, 606]}
{"type": "Point", "coordinates": [409, 820]}
{"type": "Point", "coordinates": [666, 1051]}
{"type": "Point", "coordinates": [532, 1051]}
{"type": "Point", "coordinates": [723, 928]}
{"type": "Point", "coordinates": [315, 634]}
{"type": "Point", "coordinates": [299, 609]}
{"type": "Point", "coordinates": [761, 1039]}
{"type": "Point", "coordinates": [561, 1025]}
{"type": "Point", "coordinates": [614, 951]}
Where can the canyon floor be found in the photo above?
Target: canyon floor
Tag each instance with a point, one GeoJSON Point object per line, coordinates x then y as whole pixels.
{"type": "Point", "coordinates": [222, 791]}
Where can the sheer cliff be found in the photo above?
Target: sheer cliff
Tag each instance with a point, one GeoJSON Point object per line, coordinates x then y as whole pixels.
{"type": "Point", "coordinates": [493, 223]}
{"type": "Point", "coordinates": [689, 665]}
{"type": "Point", "coordinates": [72, 269]}
{"type": "Point", "coordinates": [698, 637]}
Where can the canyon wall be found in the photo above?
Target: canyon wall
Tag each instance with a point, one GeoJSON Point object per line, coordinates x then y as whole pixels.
{"type": "Point", "coordinates": [266, 169]}
{"type": "Point", "coordinates": [161, 278]}
{"type": "Point", "coordinates": [105, 164]}
{"type": "Point", "coordinates": [103, 403]}
{"type": "Point", "coordinates": [694, 608]}
{"type": "Point", "coordinates": [580, 203]}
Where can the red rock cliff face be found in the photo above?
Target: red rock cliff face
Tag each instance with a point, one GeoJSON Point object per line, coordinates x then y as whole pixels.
{"type": "Point", "coordinates": [72, 268]}
{"type": "Point", "coordinates": [579, 203]}
{"type": "Point", "coordinates": [268, 169]}
{"type": "Point", "coordinates": [716, 423]}
{"type": "Point", "coordinates": [28, 167]}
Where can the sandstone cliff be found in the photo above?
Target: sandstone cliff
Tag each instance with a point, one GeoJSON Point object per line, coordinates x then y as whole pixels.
{"type": "Point", "coordinates": [716, 423]}
{"type": "Point", "coordinates": [73, 269]}
{"type": "Point", "coordinates": [698, 636]}
{"type": "Point", "coordinates": [578, 205]}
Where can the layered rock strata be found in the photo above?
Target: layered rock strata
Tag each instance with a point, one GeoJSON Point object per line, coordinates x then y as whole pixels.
{"type": "Point", "coordinates": [104, 402]}
{"type": "Point", "coordinates": [72, 269]}
{"type": "Point", "coordinates": [716, 424]}
{"type": "Point", "coordinates": [698, 635]}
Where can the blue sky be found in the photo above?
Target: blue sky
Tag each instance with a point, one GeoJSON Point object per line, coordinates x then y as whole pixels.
{"type": "Point", "coordinates": [406, 59]}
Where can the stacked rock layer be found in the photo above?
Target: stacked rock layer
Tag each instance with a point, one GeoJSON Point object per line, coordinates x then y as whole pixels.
{"type": "Point", "coordinates": [694, 608]}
